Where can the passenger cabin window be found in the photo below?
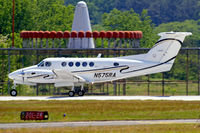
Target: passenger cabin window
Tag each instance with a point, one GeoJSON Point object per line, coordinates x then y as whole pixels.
{"type": "Point", "coordinates": [77, 64]}
{"type": "Point", "coordinates": [47, 64]}
{"type": "Point", "coordinates": [91, 64]}
{"type": "Point", "coordinates": [41, 64]}
{"type": "Point", "coordinates": [84, 64]}
{"type": "Point", "coordinates": [116, 64]}
{"type": "Point", "coordinates": [63, 64]}
{"type": "Point", "coordinates": [71, 64]}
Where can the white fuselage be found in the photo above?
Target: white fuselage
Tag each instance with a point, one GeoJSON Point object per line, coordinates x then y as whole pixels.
{"type": "Point", "coordinates": [91, 70]}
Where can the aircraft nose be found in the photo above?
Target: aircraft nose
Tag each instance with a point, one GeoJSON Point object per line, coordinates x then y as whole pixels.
{"type": "Point", "coordinates": [16, 75]}
{"type": "Point", "coordinates": [11, 75]}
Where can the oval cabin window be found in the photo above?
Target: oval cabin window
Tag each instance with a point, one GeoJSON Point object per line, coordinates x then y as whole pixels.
{"type": "Point", "coordinates": [63, 64]}
{"type": "Point", "coordinates": [71, 64]}
{"type": "Point", "coordinates": [84, 64]}
{"type": "Point", "coordinates": [77, 64]}
{"type": "Point", "coordinates": [91, 64]}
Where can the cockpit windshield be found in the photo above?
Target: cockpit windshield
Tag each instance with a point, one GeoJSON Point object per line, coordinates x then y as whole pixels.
{"type": "Point", "coordinates": [41, 64]}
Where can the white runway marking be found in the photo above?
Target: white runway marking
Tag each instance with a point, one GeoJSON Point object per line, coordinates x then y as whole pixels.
{"type": "Point", "coordinates": [182, 98]}
{"type": "Point", "coordinates": [94, 123]}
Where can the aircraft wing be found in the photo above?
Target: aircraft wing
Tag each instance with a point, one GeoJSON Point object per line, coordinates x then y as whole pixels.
{"type": "Point", "coordinates": [63, 74]}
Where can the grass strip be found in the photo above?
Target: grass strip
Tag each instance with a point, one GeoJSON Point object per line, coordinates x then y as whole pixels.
{"type": "Point", "coordinates": [101, 110]}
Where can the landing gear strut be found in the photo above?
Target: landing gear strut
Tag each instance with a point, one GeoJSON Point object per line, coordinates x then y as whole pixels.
{"type": "Point", "coordinates": [81, 92]}
{"type": "Point", "coordinates": [72, 92]}
{"type": "Point", "coordinates": [13, 92]}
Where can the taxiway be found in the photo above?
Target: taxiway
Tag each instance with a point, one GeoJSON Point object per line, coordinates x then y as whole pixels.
{"type": "Point", "coordinates": [94, 123]}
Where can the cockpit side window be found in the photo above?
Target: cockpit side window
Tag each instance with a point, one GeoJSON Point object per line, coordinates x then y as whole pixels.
{"type": "Point", "coordinates": [47, 64]}
{"type": "Point", "coordinates": [41, 64]}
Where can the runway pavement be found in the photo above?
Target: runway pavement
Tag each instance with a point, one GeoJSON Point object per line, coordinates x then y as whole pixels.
{"type": "Point", "coordinates": [182, 98]}
{"type": "Point", "coordinates": [94, 123]}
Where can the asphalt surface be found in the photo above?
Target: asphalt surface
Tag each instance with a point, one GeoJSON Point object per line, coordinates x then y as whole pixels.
{"type": "Point", "coordinates": [95, 123]}
{"type": "Point", "coordinates": [183, 98]}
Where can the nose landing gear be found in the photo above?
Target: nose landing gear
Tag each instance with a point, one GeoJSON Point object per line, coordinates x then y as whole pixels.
{"type": "Point", "coordinates": [13, 92]}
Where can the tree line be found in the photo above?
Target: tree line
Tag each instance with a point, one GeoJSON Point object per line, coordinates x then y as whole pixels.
{"type": "Point", "coordinates": [160, 11]}
{"type": "Point", "coordinates": [150, 17]}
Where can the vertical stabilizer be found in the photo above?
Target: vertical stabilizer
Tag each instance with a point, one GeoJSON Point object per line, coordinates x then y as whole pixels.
{"type": "Point", "coordinates": [163, 54]}
{"type": "Point", "coordinates": [167, 47]}
{"type": "Point", "coordinates": [81, 22]}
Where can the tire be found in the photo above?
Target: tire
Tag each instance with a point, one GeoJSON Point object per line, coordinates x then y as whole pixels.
{"type": "Point", "coordinates": [13, 92]}
{"type": "Point", "coordinates": [81, 93]}
{"type": "Point", "coordinates": [71, 93]}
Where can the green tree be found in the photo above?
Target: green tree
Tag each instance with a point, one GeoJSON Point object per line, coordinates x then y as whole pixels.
{"type": "Point", "coordinates": [52, 15]}
{"type": "Point", "coordinates": [131, 21]}
{"type": "Point", "coordinates": [5, 16]}
{"type": "Point", "coordinates": [35, 15]}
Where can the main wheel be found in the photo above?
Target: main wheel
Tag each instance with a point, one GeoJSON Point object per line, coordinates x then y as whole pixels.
{"type": "Point", "coordinates": [71, 93]}
{"type": "Point", "coordinates": [81, 93]}
{"type": "Point", "coordinates": [13, 92]}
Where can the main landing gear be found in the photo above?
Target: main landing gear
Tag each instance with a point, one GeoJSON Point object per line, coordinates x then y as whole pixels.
{"type": "Point", "coordinates": [13, 92]}
{"type": "Point", "coordinates": [79, 92]}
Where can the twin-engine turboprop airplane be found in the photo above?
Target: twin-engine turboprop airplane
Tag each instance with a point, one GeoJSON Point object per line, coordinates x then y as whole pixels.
{"type": "Point", "coordinates": [77, 71]}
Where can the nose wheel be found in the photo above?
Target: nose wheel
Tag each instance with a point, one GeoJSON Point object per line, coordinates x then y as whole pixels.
{"type": "Point", "coordinates": [13, 92]}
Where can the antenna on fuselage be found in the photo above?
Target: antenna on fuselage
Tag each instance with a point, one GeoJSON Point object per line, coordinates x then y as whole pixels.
{"type": "Point", "coordinates": [99, 55]}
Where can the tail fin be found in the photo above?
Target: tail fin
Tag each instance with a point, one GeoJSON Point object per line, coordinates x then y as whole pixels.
{"type": "Point", "coordinates": [167, 47]}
